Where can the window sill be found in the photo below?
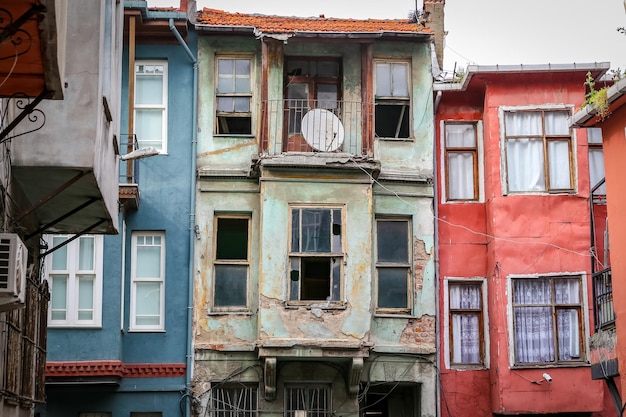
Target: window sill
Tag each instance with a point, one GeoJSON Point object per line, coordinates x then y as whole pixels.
{"type": "Point", "coordinates": [232, 135]}
{"type": "Point", "coordinates": [146, 331]}
{"type": "Point", "coordinates": [399, 315]}
{"type": "Point", "coordinates": [395, 139]}
{"type": "Point", "coordinates": [468, 367]}
{"type": "Point", "coordinates": [541, 193]}
{"type": "Point", "coordinates": [229, 312]}
{"type": "Point", "coordinates": [297, 305]}
{"type": "Point", "coordinates": [75, 326]}
{"type": "Point", "coordinates": [581, 364]}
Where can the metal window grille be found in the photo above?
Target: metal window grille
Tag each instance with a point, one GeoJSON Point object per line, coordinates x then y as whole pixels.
{"type": "Point", "coordinates": [229, 401]}
{"type": "Point", "coordinates": [314, 401]}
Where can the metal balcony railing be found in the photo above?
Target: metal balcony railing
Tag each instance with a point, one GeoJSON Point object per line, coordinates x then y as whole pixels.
{"type": "Point", "coordinates": [603, 299]}
{"type": "Point", "coordinates": [129, 170]}
{"type": "Point", "coordinates": [316, 126]}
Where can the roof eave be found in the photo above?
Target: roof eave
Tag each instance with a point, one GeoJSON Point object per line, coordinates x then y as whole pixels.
{"type": "Point", "coordinates": [310, 34]}
{"type": "Point", "coordinates": [586, 116]}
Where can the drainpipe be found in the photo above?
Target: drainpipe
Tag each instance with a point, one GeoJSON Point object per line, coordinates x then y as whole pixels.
{"type": "Point", "coordinates": [192, 216]}
{"type": "Point", "coordinates": [439, 386]}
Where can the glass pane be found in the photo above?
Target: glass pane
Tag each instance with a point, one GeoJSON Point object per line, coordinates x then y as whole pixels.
{"type": "Point", "coordinates": [465, 338]}
{"type": "Point", "coordinates": [225, 66]}
{"type": "Point", "coordinates": [86, 253]}
{"type": "Point", "coordinates": [460, 136]}
{"type": "Point", "coordinates": [383, 79]}
{"type": "Point", "coordinates": [569, 334]}
{"type": "Point", "coordinates": [523, 123]}
{"type": "Point", "coordinates": [461, 176]}
{"type": "Point", "coordinates": [231, 285]}
{"type": "Point", "coordinates": [327, 96]}
{"type": "Point", "coordinates": [525, 166]}
{"type": "Point", "coordinates": [392, 287]}
{"type": "Point", "coordinates": [242, 67]}
{"type": "Point", "coordinates": [232, 239]}
{"type": "Point", "coordinates": [295, 230]}
{"type": "Point", "coordinates": [294, 279]}
{"type": "Point", "coordinates": [594, 135]}
{"type": "Point", "coordinates": [148, 303]}
{"type": "Point", "coordinates": [400, 87]}
{"type": "Point", "coordinates": [327, 69]}
{"type": "Point", "coordinates": [225, 84]}
{"type": "Point", "coordinates": [558, 154]}
{"type": "Point", "coordinates": [596, 169]}
{"type": "Point", "coordinates": [149, 89]}
{"type": "Point", "coordinates": [556, 123]}
{"type": "Point", "coordinates": [463, 296]}
{"type": "Point", "coordinates": [59, 256]}
{"type": "Point", "coordinates": [392, 241]}
{"type": "Point", "coordinates": [85, 297]}
{"type": "Point", "coordinates": [337, 231]}
{"type": "Point", "coordinates": [567, 290]}
{"type": "Point", "coordinates": [336, 279]}
{"type": "Point", "coordinates": [148, 263]}
{"type": "Point", "coordinates": [149, 126]}
{"type": "Point", "coordinates": [226, 104]}
{"type": "Point", "coordinates": [532, 291]}
{"type": "Point", "coordinates": [316, 230]}
{"type": "Point", "coordinates": [242, 104]}
{"type": "Point", "coordinates": [242, 84]}
{"type": "Point", "coordinates": [58, 297]}
{"type": "Point", "coordinates": [534, 334]}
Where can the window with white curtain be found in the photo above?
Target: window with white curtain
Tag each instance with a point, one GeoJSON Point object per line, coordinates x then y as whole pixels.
{"type": "Point", "coordinates": [465, 314]}
{"type": "Point", "coordinates": [461, 161]}
{"type": "Point", "coordinates": [547, 320]}
{"type": "Point", "coordinates": [596, 159]}
{"type": "Point", "coordinates": [539, 151]}
{"type": "Point", "coordinates": [151, 104]}
{"type": "Point", "coordinates": [74, 274]}
{"type": "Point", "coordinates": [147, 281]}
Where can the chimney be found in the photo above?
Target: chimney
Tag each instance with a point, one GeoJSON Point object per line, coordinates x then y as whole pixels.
{"type": "Point", "coordinates": [183, 6]}
{"type": "Point", "coordinates": [434, 9]}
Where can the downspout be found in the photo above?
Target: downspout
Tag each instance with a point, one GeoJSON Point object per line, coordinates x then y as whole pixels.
{"type": "Point", "coordinates": [192, 217]}
{"type": "Point", "coordinates": [439, 386]}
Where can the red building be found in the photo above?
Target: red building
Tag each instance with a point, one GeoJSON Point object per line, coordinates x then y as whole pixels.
{"type": "Point", "coordinates": [513, 217]}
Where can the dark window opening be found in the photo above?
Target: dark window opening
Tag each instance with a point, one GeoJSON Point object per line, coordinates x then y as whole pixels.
{"type": "Point", "coordinates": [236, 125]}
{"type": "Point", "coordinates": [392, 121]}
{"type": "Point", "coordinates": [390, 400]}
{"type": "Point", "coordinates": [231, 263]}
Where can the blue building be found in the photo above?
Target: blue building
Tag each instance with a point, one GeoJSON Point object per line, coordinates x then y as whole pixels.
{"type": "Point", "coordinates": [119, 317]}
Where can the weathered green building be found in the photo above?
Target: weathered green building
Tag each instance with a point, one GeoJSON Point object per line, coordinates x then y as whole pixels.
{"type": "Point", "coordinates": [315, 289]}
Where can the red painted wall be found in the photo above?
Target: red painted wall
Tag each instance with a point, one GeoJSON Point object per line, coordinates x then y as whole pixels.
{"type": "Point", "coordinates": [555, 231]}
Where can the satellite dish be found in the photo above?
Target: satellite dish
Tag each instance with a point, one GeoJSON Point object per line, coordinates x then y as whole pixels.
{"type": "Point", "coordinates": [322, 130]}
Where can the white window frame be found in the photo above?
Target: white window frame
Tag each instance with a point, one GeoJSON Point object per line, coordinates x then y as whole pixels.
{"type": "Point", "coordinates": [163, 107]}
{"type": "Point", "coordinates": [446, 322]}
{"type": "Point", "coordinates": [295, 258]}
{"type": "Point", "coordinates": [72, 289]}
{"type": "Point", "coordinates": [133, 326]}
{"type": "Point", "coordinates": [584, 320]}
{"type": "Point", "coordinates": [480, 162]}
{"type": "Point", "coordinates": [249, 95]}
{"type": "Point", "coordinates": [395, 99]}
{"type": "Point", "coordinates": [504, 156]}
{"type": "Point", "coordinates": [408, 265]}
{"type": "Point", "coordinates": [594, 143]}
{"type": "Point", "coordinates": [231, 262]}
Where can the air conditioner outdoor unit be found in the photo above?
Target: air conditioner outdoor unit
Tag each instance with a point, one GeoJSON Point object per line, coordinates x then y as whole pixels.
{"type": "Point", "coordinates": [13, 262]}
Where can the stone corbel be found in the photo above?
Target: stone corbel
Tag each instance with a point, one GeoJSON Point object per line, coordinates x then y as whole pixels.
{"type": "Point", "coordinates": [270, 378]}
{"type": "Point", "coordinates": [354, 376]}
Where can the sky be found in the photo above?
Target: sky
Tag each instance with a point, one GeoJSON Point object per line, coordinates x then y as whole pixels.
{"type": "Point", "coordinates": [483, 32]}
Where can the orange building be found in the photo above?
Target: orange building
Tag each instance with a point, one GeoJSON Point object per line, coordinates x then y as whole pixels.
{"type": "Point", "coordinates": [513, 220]}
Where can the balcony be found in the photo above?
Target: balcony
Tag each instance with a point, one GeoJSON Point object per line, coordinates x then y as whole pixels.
{"type": "Point", "coordinates": [314, 126]}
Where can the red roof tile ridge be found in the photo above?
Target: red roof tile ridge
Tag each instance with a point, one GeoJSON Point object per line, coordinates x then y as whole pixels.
{"type": "Point", "coordinates": [322, 16]}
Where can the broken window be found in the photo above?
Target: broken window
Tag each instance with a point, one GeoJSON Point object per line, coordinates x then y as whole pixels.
{"type": "Point", "coordinates": [308, 401]}
{"type": "Point", "coordinates": [393, 265]}
{"type": "Point", "coordinates": [316, 255]}
{"type": "Point", "coordinates": [231, 262]}
{"type": "Point", "coordinates": [390, 400]}
{"type": "Point", "coordinates": [232, 400]}
{"type": "Point", "coordinates": [234, 96]}
{"type": "Point", "coordinates": [393, 102]}
{"type": "Point", "coordinates": [547, 319]}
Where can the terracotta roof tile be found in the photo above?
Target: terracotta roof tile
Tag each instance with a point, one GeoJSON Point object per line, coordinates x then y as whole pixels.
{"type": "Point", "coordinates": [282, 24]}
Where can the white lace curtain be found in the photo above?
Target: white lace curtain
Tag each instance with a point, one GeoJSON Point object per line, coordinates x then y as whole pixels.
{"type": "Point", "coordinates": [461, 163]}
{"type": "Point", "coordinates": [535, 332]}
{"type": "Point", "coordinates": [465, 325]}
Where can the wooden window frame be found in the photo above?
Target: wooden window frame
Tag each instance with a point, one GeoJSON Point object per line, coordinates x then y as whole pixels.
{"type": "Point", "coordinates": [481, 323]}
{"type": "Point", "coordinates": [405, 265]}
{"type": "Point", "coordinates": [220, 123]}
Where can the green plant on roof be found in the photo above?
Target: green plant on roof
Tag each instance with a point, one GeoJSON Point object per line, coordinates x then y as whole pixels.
{"type": "Point", "coordinates": [596, 98]}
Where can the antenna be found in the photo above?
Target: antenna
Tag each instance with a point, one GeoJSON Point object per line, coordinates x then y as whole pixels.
{"type": "Point", "coordinates": [322, 130]}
